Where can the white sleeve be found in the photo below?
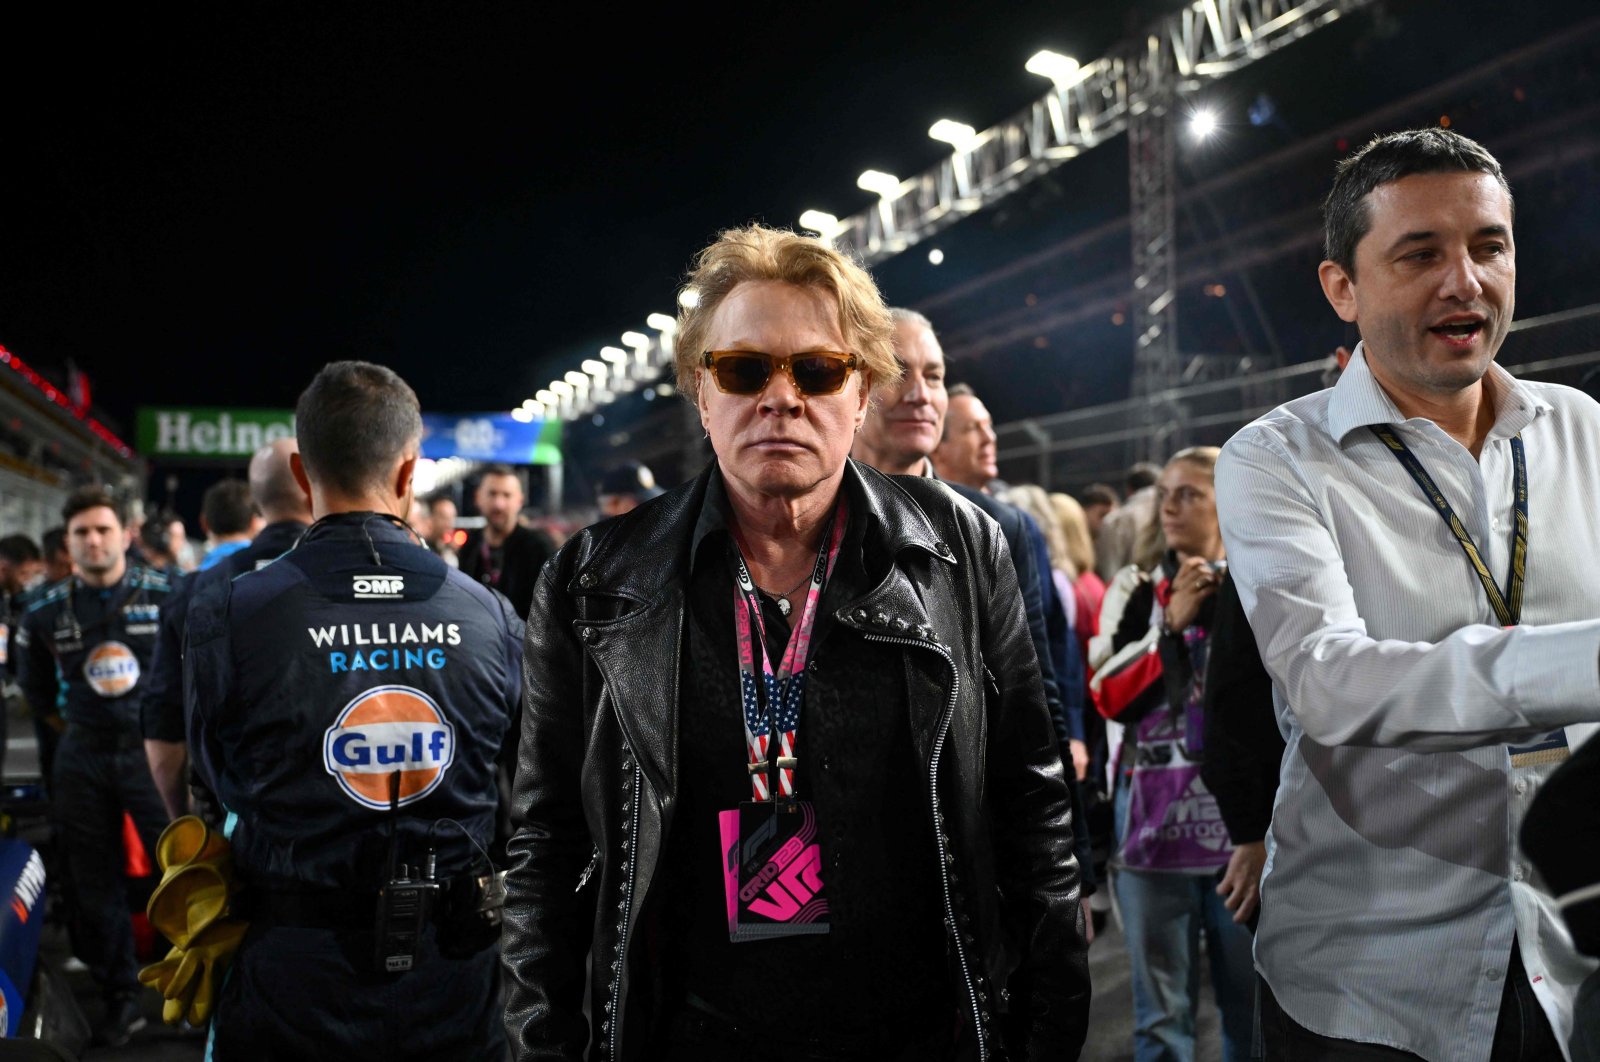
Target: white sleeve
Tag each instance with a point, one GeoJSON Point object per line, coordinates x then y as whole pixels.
{"type": "Point", "coordinates": [1481, 685]}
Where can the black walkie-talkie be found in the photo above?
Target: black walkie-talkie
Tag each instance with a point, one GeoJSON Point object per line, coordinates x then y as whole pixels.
{"type": "Point", "coordinates": [404, 901]}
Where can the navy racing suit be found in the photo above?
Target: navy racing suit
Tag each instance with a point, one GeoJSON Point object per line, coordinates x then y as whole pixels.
{"type": "Point", "coordinates": [85, 651]}
{"type": "Point", "coordinates": [355, 670]}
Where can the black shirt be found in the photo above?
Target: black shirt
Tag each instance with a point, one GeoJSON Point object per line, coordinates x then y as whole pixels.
{"type": "Point", "coordinates": [511, 567]}
{"type": "Point", "coordinates": [882, 965]}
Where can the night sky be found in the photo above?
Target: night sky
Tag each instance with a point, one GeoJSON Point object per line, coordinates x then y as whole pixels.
{"type": "Point", "coordinates": [201, 204]}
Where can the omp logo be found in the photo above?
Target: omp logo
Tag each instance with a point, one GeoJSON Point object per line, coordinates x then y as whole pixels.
{"type": "Point", "coordinates": [111, 669]}
{"type": "Point", "coordinates": [384, 730]}
{"type": "Point", "coordinates": [378, 585]}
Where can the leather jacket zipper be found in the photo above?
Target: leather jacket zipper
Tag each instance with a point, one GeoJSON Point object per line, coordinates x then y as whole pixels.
{"type": "Point", "coordinates": [945, 859]}
{"type": "Point", "coordinates": [630, 845]}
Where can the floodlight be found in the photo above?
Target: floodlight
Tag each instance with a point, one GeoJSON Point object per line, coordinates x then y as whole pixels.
{"type": "Point", "coordinates": [664, 323]}
{"type": "Point", "coordinates": [688, 298]}
{"type": "Point", "coordinates": [594, 368]}
{"type": "Point", "coordinates": [561, 387]}
{"type": "Point", "coordinates": [820, 222]}
{"type": "Point", "coordinates": [578, 380]}
{"type": "Point", "coordinates": [1062, 69]}
{"type": "Point", "coordinates": [957, 134]}
{"type": "Point", "coordinates": [634, 340]}
{"type": "Point", "coordinates": [546, 397]}
{"type": "Point", "coordinates": [615, 355]}
{"type": "Point", "coordinates": [522, 415]}
{"type": "Point", "coordinates": [936, 257]}
{"type": "Point", "coordinates": [1203, 122]}
{"type": "Point", "coordinates": [884, 184]}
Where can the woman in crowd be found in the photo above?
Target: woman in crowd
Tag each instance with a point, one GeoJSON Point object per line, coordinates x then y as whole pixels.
{"type": "Point", "coordinates": [1173, 848]}
{"type": "Point", "coordinates": [820, 672]}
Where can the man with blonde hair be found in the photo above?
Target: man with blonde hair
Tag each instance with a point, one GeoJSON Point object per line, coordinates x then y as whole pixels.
{"type": "Point", "coordinates": [784, 728]}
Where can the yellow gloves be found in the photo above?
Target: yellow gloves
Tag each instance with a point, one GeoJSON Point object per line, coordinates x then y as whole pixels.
{"type": "Point", "coordinates": [189, 907]}
{"type": "Point", "coordinates": [189, 977]}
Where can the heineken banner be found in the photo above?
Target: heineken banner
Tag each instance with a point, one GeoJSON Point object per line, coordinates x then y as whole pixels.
{"type": "Point", "coordinates": [201, 431]}
{"type": "Point", "coordinates": [206, 432]}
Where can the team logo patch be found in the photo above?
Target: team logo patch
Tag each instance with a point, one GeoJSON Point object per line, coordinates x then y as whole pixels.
{"type": "Point", "coordinates": [384, 730]}
{"type": "Point", "coordinates": [378, 586]}
{"type": "Point", "coordinates": [111, 669]}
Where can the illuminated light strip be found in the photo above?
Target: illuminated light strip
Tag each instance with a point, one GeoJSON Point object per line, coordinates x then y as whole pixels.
{"type": "Point", "coordinates": [60, 398]}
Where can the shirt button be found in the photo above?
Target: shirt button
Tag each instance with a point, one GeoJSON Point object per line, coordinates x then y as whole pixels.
{"type": "Point", "coordinates": [1520, 786]}
{"type": "Point", "coordinates": [1518, 872]}
{"type": "Point", "coordinates": [1493, 975]}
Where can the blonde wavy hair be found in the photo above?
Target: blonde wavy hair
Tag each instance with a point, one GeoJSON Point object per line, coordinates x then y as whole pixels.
{"type": "Point", "coordinates": [756, 252]}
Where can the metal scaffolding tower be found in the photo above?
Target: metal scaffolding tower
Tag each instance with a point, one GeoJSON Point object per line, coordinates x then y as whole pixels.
{"type": "Point", "coordinates": [1152, 187]}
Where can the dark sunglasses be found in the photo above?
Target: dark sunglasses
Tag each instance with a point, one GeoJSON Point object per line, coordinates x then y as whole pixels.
{"type": "Point", "coordinates": [747, 372]}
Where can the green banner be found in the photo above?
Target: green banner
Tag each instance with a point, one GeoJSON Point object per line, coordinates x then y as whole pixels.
{"type": "Point", "coordinates": [204, 431]}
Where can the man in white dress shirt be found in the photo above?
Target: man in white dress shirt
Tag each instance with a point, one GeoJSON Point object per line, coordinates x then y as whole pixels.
{"type": "Point", "coordinates": [1415, 547]}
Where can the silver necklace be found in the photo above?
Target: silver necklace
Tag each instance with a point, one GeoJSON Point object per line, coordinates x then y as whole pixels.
{"type": "Point", "coordinates": [783, 599]}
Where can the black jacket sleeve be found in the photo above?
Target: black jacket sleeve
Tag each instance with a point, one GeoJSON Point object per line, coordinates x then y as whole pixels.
{"type": "Point", "coordinates": [1040, 875]}
{"type": "Point", "coordinates": [1244, 748]}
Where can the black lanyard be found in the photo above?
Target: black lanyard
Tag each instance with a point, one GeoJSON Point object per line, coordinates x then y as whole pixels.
{"type": "Point", "coordinates": [1508, 606]}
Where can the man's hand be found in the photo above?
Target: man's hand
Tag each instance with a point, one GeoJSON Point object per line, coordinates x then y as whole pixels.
{"type": "Point", "coordinates": [1194, 583]}
{"type": "Point", "coordinates": [1240, 887]}
{"type": "Point", "coordinates": [1080, 758]}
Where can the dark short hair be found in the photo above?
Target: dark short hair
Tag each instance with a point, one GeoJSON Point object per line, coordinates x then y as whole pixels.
{"type": "Point", "coordinates": [1098, 494]}
{"type": "Point", "coordinates": [53, 542]}
{"type": "Point", "coordinates": [227, 507]}
{"type": "Point", "coordinates": [1141, 475]}
{"type": "Point", "coordinates": [498, 469]}
{"type": "Point", "coordinates": [353, 422]}
{"type": "Point", "coordinates": [1345, 216]}
{"type": "Point", "coordinates": [433, 502]}
{"type": "Point", "coordinates": [153, 537]}
{"type": "Point", "coordinates": [18, 549]}
{"type": "Point", "coordinates": [92, 497]}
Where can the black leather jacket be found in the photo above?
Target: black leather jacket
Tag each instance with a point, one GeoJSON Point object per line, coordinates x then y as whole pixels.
{"type": "Point", "coordinates": [597, 769]}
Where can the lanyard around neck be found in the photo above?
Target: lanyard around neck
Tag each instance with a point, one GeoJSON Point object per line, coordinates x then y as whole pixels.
{"type": "Point", "coordinates": [784, 690]}
{"type": "Point", "coordinates": [1507, 606]}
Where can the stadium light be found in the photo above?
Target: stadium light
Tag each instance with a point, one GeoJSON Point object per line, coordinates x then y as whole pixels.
{"type": "Point", "coordinates": [615, 355]}
{"type": "Point", "coordinates": [546, 397]}
{"type": "Point", "coordinates": [880, 183]}
{"type": "Point", "coordinates": [688, 298]}
{"type": "Point", "coordinates": [634, 340]}
{"type": "Point", "coordinates": [579, 382]}
{"type": "Point", "coordinates": [561, 388]}
{"type": "Point", "coordinates": [1062, 69]}
{"type": "Point", "coordinates": [820, 222]}
{"type": "Point", "coordinates": [598, 369]}
{"type": "Point", "coordinates": [664, 323]}
{"type": "Point", "coordinates": [936, 257]}
{"type": "Point", "coordinates": [1203, 122]}
{"type": "Point", "coordinates": [957, 134]}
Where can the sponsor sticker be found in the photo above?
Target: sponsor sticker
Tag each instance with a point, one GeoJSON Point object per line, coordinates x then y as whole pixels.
{"type": "Point", "coordinates": [111, 669]}
{"type": "Point", "coordinates": [386, 730]}
{"type": "Point", "coordinates": [378, 586]}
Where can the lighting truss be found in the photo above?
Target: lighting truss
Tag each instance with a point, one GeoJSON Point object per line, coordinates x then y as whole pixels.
{"type": "Point", "coordinates": [1206, 40]}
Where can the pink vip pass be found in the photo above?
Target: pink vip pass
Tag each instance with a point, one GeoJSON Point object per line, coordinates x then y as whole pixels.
{"type": "Point", "coordinates": [772, 870]}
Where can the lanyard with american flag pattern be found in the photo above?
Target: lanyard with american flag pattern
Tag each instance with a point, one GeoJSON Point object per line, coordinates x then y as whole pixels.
{"type": "Point", "coordinates": [784, 690]}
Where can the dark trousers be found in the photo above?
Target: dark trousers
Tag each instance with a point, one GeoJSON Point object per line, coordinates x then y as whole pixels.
{"type": "Point", "coordinates": [1522, 1033]}
{"type": "Point", "coordinates": [96, 778]}
{"type": "Point", "coordinates": [298, 992]}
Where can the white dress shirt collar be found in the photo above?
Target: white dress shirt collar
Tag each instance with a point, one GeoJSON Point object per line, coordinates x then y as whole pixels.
{"type": "Point", "coordinates": [1358, 401]}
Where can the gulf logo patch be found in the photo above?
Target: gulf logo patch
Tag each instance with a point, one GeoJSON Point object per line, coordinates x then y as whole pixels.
{"type": "Point", "coordinates": [384, 730]}
{"type": "Point", "coordinates": [111, 669]}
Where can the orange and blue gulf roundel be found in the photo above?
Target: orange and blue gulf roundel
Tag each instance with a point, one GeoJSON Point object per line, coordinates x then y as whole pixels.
{"type": "Point", "coordinates": [384, 730]}
{"type": "Point", "coordinates": [111, 669]}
